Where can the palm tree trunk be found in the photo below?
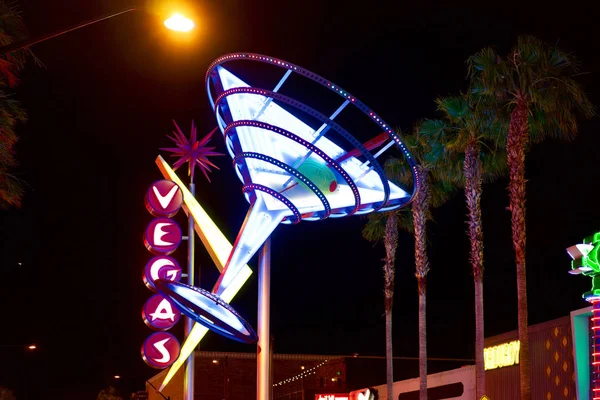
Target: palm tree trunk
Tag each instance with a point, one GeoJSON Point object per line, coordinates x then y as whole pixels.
{"type": "Point", "coordinates": [422, 338]}
{"type": "Point", "coordinates": [420, 207]}
{"type": "Point", "coordinates": [479, 339]}
{"type": "Point", "coordinates": [473, 181]}
{"type": "Point", "coordinates": [391, 243]}
{"type": "Point", "coordinates": [518, 135]}
{"type": "Point", "coordinates": [389, 360]}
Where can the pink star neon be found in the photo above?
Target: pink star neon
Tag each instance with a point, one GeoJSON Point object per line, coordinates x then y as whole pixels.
{"type": "Point", "coordinates": [192, 151]}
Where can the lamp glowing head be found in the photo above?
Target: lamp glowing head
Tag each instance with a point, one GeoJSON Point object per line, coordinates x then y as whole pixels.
{"type": "Point", "coordinates": [179, 23]}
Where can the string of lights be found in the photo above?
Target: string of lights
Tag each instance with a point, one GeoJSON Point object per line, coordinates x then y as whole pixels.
{"type": "Point", "coordinates": [301, 375]}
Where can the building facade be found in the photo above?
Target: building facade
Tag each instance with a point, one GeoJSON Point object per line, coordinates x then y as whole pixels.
{"type": "Point", "coordinates": [560, 354]}
{"type": "Point", "coordinates": [232, 376]}
{"type": "Point", "coordinates": [552, 363]}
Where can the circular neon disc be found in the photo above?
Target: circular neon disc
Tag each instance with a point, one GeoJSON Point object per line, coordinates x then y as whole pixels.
{"type": "Point", "coordinates": [208, 310]}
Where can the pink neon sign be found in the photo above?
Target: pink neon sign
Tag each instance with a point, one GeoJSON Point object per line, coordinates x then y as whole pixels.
{"type": "Point", "coordinates": [161, 237]}
{"type": "Point", "coordinates": [164, 198]}
{"type": "Point", "coordinates": [161, 267]}
{"type": "Point", "coordinates": [160, 349]}
{"type": "Point", "coordinates": [160, 314]}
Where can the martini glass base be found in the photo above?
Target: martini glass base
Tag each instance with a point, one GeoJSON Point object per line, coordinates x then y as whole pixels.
{"type": "Point", "coordinates": [208, 310]}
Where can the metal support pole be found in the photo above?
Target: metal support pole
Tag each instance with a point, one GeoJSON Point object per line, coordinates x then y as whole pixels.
{"type": "Point", "coordinates": [263, 371]}
{"type": "Point", "coordinates": [271, 352]}
{"type": "Point", "coordinates": [188, 379]}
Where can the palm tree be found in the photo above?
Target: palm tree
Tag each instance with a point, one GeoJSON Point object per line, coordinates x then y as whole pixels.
{"type": "Point", "coordinates": [11, 113]}
{"type": "Point", "coordinates": [384, 226]}
{"type": "Point", "coordinates": [472, 139]}
{"type": "Point", "coordinates": [537, 84]}
{"type": "Point", "coordinates": [433, 191]}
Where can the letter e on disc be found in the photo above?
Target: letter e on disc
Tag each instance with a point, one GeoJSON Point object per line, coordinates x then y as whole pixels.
{"type": "Point", "coordinates": [162, 236]}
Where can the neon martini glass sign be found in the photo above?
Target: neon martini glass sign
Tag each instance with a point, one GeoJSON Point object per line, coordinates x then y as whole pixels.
{"type": "Point", "coordinates": [271, 148]}
{"type": "Point", "coordinates": [291, 170]}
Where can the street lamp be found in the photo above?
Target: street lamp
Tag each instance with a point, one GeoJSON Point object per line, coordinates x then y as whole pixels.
{"type": "Point", "coordinates": [176, 22]}
{"type": "Point", "coordinates": [179, 23]}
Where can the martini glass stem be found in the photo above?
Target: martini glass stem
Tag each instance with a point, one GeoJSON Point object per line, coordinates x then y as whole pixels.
{"type": "Point", "coordinates": [263, 371]}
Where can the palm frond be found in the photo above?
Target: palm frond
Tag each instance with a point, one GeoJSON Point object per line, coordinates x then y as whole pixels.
{"type": "Point", "coordinates": [428, 149]}
{"type": "Point", "coordinates": [12, 29]}
{"type": "Point", "coordinates": [540, 75]}
{"type": "Point", "coordinates": [374, 229]}
{"type": "Point", "coordinates": [11, 190]}
{"type": "Point", "coordinates": [12, 113]}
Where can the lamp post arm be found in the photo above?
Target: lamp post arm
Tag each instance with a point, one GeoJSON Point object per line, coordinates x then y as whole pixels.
{"type": "Point", "coordinates": [29, 42]}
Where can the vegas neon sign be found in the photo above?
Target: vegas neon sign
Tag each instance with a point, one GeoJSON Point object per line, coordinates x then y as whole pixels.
{"type": "Point", "coordinates": [161, 237]}
{"type": "Point", "coordinates": [166, 268]}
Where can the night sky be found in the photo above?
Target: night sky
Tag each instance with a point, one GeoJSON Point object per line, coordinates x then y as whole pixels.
{"type": "Point", "coordinates": [101, 106]}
